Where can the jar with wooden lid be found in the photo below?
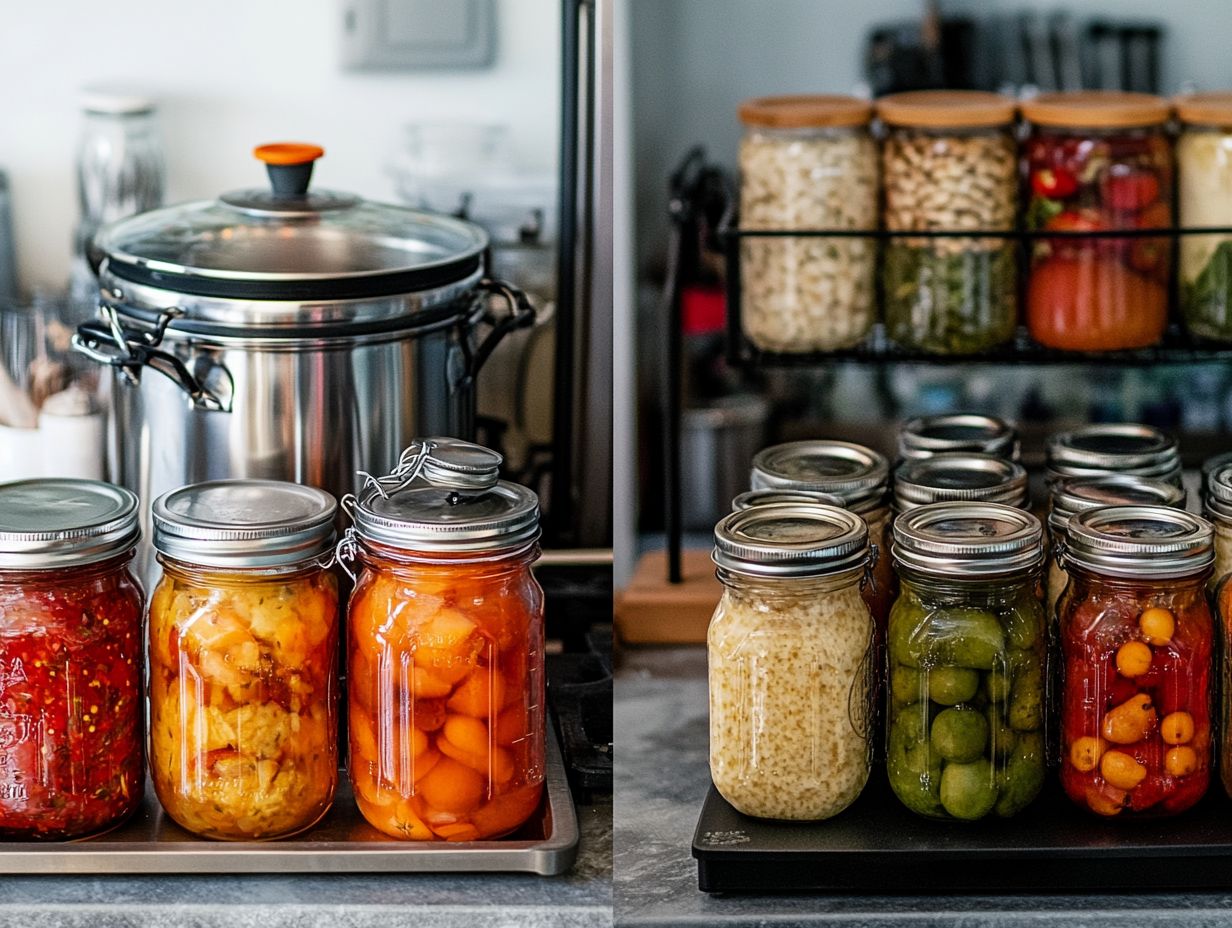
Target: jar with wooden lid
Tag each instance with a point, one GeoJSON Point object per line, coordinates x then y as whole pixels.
{"type": "Point", "coordinates": [1204, 185]}
{"type": "Point", "coordinates": [949, 163]}
{"type": "Point", "coordinates": [807, 163]}
{"type": "Point", "coordinates": [1098, 162]}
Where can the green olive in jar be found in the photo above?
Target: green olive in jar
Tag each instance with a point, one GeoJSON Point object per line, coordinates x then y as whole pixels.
{"type": "Point", "coordinates": [1021, 779]}
{"type": "Point", "coordinates": [969, 791]}
{"type": "Point", "coordinates": [914, 770]}
{"type": "Point", "coordinates": [955, 636]}
{"type": "Point", "coordinates": [959, 735]}
{"type": "Point", "coordinates": [950, 686]}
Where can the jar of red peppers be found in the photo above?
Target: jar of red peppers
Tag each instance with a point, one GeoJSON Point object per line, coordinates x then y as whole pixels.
{"type": "Point", "coordinates": [445, 649]}
{"type": "Point", "coordinates": [71, 758]}
{"type": "Point", "coordinates": [1098, 162]}
{"type": "Point", "coordinates": [243, 658]}
{"type": "Point", "coordinates": [1136, 639]}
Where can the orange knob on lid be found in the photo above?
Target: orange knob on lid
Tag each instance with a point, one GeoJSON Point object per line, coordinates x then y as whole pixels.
{"type": "Point", "coordinates": [288, 153]}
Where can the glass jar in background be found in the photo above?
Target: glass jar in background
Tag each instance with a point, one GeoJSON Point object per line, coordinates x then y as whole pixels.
{"type": "Point", "coordinates": [807, 163]}
{"type": "Point", "coordinates": [750, 498]}
{"type": "Point", "coordinates": [1113, 448]}
{"type": "Point", "coordinates": [925, 436]}
{"type": "Point", "coordinates": [949, 163]}
{"type": "Point", "coordinates": [445, 652]}
{"type": "Point", "coordinates": [243, 659]}
{"type": "Point", "coordinates": [1071, 495]}
{"type": "Point", "coordinates": [71, 713]}
{"type": "Point", "coordinates": [1098, 161]}
{"type": "Point", "coordinates": [1204, 185]}
{"type": "Point", "coordinates": [960, 477]}
{"type": "Point", "coordinates": [791, 668]}
{"type": "Point", "coordinates": [967, 659]}
{"type": "Point", "coordinates": [1217, 506]}
{"type": "Point", "coordinates": [1137, 645]}
{"type": "Point", "coordinates": [858, 476]}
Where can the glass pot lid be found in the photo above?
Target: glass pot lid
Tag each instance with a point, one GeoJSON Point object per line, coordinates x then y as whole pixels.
{"type": "Point", "coordinates": [289, 242]}
{"type": "Point", "coordinates": [47, 524]}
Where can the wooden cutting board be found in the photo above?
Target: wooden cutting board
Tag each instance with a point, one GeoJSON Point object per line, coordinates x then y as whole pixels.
{"type": "Point", "coordinates": [652, 611]}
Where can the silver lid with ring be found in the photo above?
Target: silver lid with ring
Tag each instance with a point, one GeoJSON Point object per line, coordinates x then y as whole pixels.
{"type": "Point", "coordinates": [789, 540]}
{"type": "Point", "coordinates": [857, 475]}
{"type": "Point", "coordinates": [1072, 495]}
{"type": "Point", "coordinates": [750, 498]}
{"type": "Point", "coordinates": [960, 477]}
{"type": "Point", "coordinates": [1218, 498]}
{"type": "Point", "coordinates": [1137, 542]}
{"type": "Point", "coordinates": [968, 541]}
{"type": "Point", "coordinates": [1120, 448]}
{"type": "Point", "coordinates": [244, 524]}
{"type": "Point", "coordinates": [925, 436]}
{"type": "Point", "coordinates": [52, 524]}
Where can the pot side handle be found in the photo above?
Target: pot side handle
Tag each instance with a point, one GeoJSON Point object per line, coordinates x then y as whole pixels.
{"type": "Point", "coordinates": [521, 315]}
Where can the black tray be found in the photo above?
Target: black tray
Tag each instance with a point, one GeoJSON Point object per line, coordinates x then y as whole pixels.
{"type": "Point", "coordinates": [877, 846]}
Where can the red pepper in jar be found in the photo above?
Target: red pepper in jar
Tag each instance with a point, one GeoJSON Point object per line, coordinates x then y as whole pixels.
{"type": "Point", "coordinates": [1056, 183]}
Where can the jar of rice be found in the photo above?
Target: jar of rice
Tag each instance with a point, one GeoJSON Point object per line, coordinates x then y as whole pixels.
{"type": "Point", "coordinates": [807, 163]}
{"type": "Point", "coordinates": [791, 669]}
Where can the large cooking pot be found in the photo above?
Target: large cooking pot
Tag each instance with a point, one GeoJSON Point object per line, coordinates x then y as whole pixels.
{"type": "Point", "coordinates": [289, 333]}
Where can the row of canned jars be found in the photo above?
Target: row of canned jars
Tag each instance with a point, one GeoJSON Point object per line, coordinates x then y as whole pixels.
{"type": "Point", "coordinates": [443, 655]}
{"type": "Point", "coordinates": [951, 162]}
{"type": "Point", "coordinates": [810, 629]}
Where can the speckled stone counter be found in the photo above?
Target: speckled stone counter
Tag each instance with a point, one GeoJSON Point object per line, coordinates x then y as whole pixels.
{"type": "Point", "coordinates": [580, 899]}
{"type": "Point", "coordinates": [661, 779]}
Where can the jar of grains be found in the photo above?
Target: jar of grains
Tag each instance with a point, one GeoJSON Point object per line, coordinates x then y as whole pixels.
{"type": "Point", "coordinates": [1072, 495]}
{"type": "Point", "coordinates": [791, 668]}
{"type": "Point", "coordinates": [960, 477]}
{"type": "Point", "coordinates": [1204, 175]}
{"type": "Point", "coordinates": [1113, 448]}
{"type": "Point", "coordinates": [949, 163]}
{"type": "Point", "coordinates": [1098, 161]}
{"type": "Point", "coordinates": [1218, 508]}
{"type": "Point", "coordinates": [925, 436]}
{"type": "Point", "coordinates": [967, 662]}
{"type": "Point", "coordinates": [807, 163]}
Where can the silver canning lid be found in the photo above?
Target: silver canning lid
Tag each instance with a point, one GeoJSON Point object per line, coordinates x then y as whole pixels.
{"type": "Point", "coordinates": [461, 465]}
{"type": "Point", "coordinates": [1140, 542]}
{"type": "Point", "coordinates": [1210, 465]}
{"type": "Point", "coordinates": [750, 498]}
{"type": "Point", "coordinates": [47, 524]}
{"type": "Point", "coordinates": [960, 477]}
{"type": "Point", "coordinates": [925, 436]}
{"type": "Point", "coordinates": [244, 524]}
{"type": "Point", "coordinates": [437, 519]}
{"type": "Point", "coordinates": [1124, 448]}
{"type": "Point", "coordinates": [966, 541]}
{"type": "Point", "coordinates": [790, 541]}
{"type": "Point", "coordinates": [1218, 496]}
{"type": "Point", "coordinates": [1077, 494]}
{"type": "Point", "coordinates": [857, 475]}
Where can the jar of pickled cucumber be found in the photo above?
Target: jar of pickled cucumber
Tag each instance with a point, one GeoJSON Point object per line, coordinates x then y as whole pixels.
{"type": "Point", "coordinates": [445, 649]}
{"type": "Point", "coordinates": [71, 713]}
{"type": "Point", "coordinates": [1115, 448]}
{"type": "Point", "coordinates": [925, 436]}
{"type": "Point", "coordinates": [967, 662]}
{"type": "Point", "coordinates": [960, 477]}
{"type": "Point", "coordinates": [1217, 502]}
{"type": "Point", "coordinates": [1071, 495]}
{"type": "Point", "coordinates": [791, 669]}
{"type": "Point", "coordinates": [1137, 646]}
{"type": "Point", "coordinates": [243, 658]}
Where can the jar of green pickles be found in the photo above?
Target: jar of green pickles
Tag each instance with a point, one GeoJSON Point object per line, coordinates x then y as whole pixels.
{"type": "Point", "coordinates": [966, 662]}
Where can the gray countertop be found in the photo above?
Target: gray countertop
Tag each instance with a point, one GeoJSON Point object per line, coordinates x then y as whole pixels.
{"type": "Point", "coordinates": [662, 777]}
{"type": "Point", "coordinates": [579, 899]}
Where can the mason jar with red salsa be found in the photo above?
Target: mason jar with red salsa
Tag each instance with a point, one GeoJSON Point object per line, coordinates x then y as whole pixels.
{"type": "Point", "coordinates": [71, 759]}
{"type": "Point", "coordinates": [1098, 162]}
{"type": "Point", "coordinates": [1137, 641]}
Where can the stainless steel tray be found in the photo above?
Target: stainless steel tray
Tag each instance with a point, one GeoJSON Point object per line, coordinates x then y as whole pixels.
{"type": "Point", "coordinates": [342, 843]}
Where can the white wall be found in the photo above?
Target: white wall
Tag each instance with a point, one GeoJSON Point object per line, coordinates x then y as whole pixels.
{"type": "Point", "coordinates": [230, 74]}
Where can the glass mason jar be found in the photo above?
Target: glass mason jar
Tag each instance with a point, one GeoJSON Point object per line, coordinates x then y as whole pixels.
{"type": "Point", "coordinates": [243, 659]}
{"type": "Point", "coordinates": [960, 477]}
{"type": "Point", "coordinates": [967, 661]}
{"type": "Point", "coordinates": [1217, 506]}
{"type": "Point", "coordinates": [1204, 185]}
{"type": "Point", "coordinates": [1116, 448]}
{"type": "Point", "coordinates": [928, 435]}
{"type": "Point", "coordinates": [807, 163]}
{"type": "Point", "coordinates": [750, 498]}
{"type": "Point", "coordinates": [949, 163]}
{"type": "Point", "coordinates": [1071, 495]}
{"type": "Point", "coordinates": [1098, 161]}
{"type": "Point", "coordinates": [445, 653]}
{"type": "Point", "coordinates": [1136, 646]}
{"type": "Point", "coordinates": [71, 759]}
{"type": "Point", "coordinates": [791, 671]}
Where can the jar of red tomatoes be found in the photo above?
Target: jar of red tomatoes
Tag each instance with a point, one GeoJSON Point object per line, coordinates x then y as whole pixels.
{"type": "Point", "coordinates": [1098, 162]}
{"type": "Point", "coordinates": [243, 658]}
{"type": "Point", "coordinates": [445, 649]}
{"type": "Point", "coordinates": [1136, 638]}
{"type": "Point", "coordinates": [71, 759]}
